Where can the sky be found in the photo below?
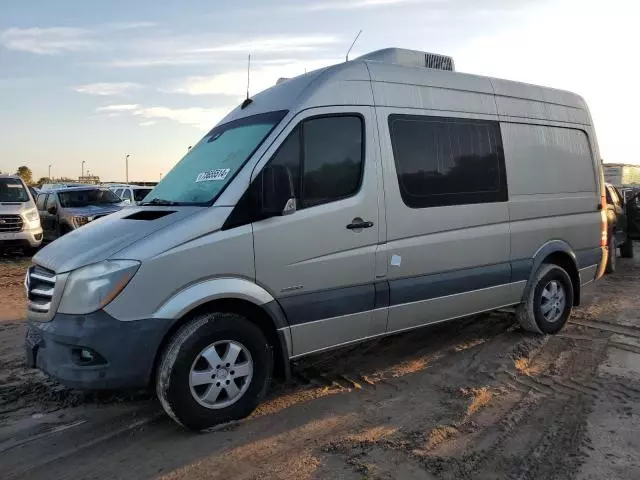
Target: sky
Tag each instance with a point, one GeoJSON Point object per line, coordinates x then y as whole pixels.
{"type": "Point", "coordinates": [95, 80]}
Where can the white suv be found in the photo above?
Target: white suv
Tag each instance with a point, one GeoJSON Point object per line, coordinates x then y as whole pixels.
{"type": "Point", "coordinates": [19, 219]}
{"type": "Point", "coordinates": [132, 194]}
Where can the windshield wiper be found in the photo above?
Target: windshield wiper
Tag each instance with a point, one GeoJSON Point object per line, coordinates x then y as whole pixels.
{"type": "Point", "coordinates": [160, 201]}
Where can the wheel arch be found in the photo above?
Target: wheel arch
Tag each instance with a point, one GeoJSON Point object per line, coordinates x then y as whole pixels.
{"type": "Point", "coordinates": [233, 295]}
{"type": "Point", "coordinates": [559, 253]}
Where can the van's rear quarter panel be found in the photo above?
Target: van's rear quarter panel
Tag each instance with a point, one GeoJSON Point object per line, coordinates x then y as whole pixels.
{"type": "Point", "coordinates": [553, 192]}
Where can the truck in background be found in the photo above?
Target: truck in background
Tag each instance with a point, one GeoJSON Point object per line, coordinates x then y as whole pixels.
{"type": "Point", "coordinates": [621, 174]}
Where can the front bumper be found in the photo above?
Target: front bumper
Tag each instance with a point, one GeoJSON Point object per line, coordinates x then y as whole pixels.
{"type": "Point", "coordinates": [31, 238]}
{"type": "Point", "coordinates": [124, 351]}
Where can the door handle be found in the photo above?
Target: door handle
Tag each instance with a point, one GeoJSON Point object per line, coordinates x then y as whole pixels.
{"type": "Point", "coordinates": [359, 224]}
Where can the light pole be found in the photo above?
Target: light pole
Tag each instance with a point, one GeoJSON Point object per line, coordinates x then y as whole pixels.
{"type": "Point", "coordinates": [49, 172]}
{"type": "Point", "coordinates": [160, 175]}
{"type": "Point", "coordinates": [82, 177]}
{"type": "Point", "coordinates": [126, 166]}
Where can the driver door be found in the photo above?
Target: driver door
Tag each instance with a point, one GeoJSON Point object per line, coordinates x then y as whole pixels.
{"type": "Point", "coordinates": [320, 261]}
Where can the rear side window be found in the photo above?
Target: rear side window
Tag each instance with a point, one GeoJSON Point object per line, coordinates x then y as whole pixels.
{"type": "Point", "coordinates": [41, 201]}
{"type": "Point", "coordinates": [126, 194]}
{"type": "Point", "coordinates": [448, 161]}
{"type": "Point", "coordinates": [325, 157]}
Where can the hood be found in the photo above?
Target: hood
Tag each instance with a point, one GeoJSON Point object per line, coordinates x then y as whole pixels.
{"type": "Point", "coordinates": [92, 210]}
{"type": "Point", "coordinates": [106, 236]}
{"type": "Point", "coordinates": [15, 208]}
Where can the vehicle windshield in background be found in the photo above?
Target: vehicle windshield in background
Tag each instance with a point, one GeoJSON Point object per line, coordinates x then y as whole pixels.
{"type": "Point", "coordinates": [140, 193]}
{"type": "Point", "coordinates": [12, 190]}
{"type": "Point", "coordinates": [84, 198]}
{"type": "Point", "coordinates": [210, 165]}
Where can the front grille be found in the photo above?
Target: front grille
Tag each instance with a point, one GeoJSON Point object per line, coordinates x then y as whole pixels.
{"type": "Point", "coordinates": [10, 223]}
{"type": "Point", "coordinates": [40, 284]}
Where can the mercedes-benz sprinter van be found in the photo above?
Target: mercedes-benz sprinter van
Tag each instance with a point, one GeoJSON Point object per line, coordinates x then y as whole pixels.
{"type": "Point", "coordinates": [20, 226]}
{"type": "Point", "coordinates": [363, 199]}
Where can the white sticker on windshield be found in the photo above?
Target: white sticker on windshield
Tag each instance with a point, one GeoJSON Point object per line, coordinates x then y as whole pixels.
{"type": "Point", "coordinates": [213, 175]}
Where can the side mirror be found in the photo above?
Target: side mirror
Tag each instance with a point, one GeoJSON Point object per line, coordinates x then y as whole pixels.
{"type": "Point", "coordinates": [52, 210]}
{"type": "Point", "coordinates": [278, 195]}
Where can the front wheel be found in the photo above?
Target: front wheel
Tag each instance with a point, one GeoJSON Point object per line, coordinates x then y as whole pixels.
{"type": "Point", "coordinates": [548, 300]}
{"type": "Point", "coordinates": [215, 369]}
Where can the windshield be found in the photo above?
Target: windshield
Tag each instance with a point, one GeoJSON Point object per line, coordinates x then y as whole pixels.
{"type": "Point", "coordinates": [210, 165]}
{"type": "Point", "coordinates": [84, 198]}
{"type": "Point", "coordinates": [12, 190]}
{"type": "Point", "coordinates": [140, 193]}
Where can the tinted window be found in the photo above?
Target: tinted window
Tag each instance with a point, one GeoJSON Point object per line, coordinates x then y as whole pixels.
{"type": "Point", "coordinates": [41, 201]}
{"type": "Point", "coordinates": [51, 201]}
{"type": "Point", "coordinates": [12, 190]}
{"type": "Point", "coordinates": [140, 193]}
{"type": "Point", "coordinates": [329, 152]}
{"type": "Point", "coordinates": [448, 161]}
{"type": "Point", "coordinates": [332, 159]}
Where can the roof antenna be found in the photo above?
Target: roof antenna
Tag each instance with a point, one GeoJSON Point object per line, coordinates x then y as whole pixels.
{"type": "Point", "coordinates": [354, 42]}
{"type": "Point", "coordinates": [247, 101]}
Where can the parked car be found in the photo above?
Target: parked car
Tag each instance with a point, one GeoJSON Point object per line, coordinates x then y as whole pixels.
{"type": "Point", "coordinates": [19, 220]}
{"type": "Point", "coordinates": [66, 209]}
{"type": "Point", "coordinates": [132, 194]}
{"type": "Point", "coordinates": [617, 221]}
{"type": "Point", "coordinates": [356, 201]}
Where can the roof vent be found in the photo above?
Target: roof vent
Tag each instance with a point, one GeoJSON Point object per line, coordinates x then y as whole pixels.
{"type": "Point", "coordinates": [410, 58]}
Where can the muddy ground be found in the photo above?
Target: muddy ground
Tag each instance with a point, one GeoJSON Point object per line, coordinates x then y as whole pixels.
{"type": "Point", "coordinates": [477, 398]}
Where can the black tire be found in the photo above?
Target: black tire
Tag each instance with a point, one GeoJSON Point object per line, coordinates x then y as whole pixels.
{"type": "Point", "coordinates": [626, 249]}
{"type": "Point", "coordinates": [529, 312]}
{"type": "Point", "coordinates": [172, 379]}
{"type": "Point", "coordinates": [611, 257]}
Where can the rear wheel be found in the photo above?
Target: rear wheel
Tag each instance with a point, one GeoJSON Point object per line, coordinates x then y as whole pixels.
{"type": "Point", "coordinates": [214, 370]}
{"type": "Point", "coordinates": [626, 249]}
{"type": "Point", "coordinates": [611, 258]}
{"type": "Point", "coordinates": [548, 300]}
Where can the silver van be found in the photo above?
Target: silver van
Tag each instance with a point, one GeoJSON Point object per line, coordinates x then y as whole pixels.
{"type": "Point", "coordinates": [20, 226]}
{"type": "Point", "coordinates": [367, 198]}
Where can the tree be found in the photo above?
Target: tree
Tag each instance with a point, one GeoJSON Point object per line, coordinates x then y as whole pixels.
{"type": "Point", "coordinates": [25, 173]}
{"type": "Point", "coordinates": [43, 180]}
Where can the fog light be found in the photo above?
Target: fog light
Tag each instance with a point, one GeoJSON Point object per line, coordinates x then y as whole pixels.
{"type": "Point", "coordinates": [38, 236]}
{"type": "Point", "coordinates": [86, 356]}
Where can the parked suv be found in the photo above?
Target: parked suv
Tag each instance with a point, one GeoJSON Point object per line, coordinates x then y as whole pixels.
{"type": "Point", "coordinates": [361, 200]}
{"type": "Point", "coordinates": [63, 210]}
{"type": "Point", "coordinates": [132, 194]}
{"type": "Point", "coordinates": [19, 220]}
{"type": "Point", "coordinates": [621, 218]}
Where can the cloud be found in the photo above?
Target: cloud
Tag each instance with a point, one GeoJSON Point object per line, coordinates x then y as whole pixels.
{"type": "Point", "coordinates": [108, 89]}
{"type": "Point", "coordinates": [47, 41]}
{"type": "Point", "coordinates": [203, 118]}
{"type": "Point", "coordinates": [189, 50]}
{"type": "Point", "coordinates": [131, 25]}
{"type": "Point", "coordinates": [234, 83]}
{"type": "Point", "coordinates": [118, 108]}
{"type": "Point", "coordinates": [360, 4]}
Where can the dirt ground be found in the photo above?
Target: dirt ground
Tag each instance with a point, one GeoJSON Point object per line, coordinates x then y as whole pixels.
{"type": "Point", "coordinates": [473, 399]}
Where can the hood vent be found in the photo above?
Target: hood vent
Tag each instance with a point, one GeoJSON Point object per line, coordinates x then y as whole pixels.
{"type": "Point", "coordinates": [410, 58]}
{"type": "Point", "coordinates": [149, 214]}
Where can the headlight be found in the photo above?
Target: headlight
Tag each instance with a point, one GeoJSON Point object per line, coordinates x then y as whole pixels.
{"type": "Point", "coordinates": [92, 287]}
{"type": "Point", "coordinates": [32, 216]}
{"type": "Point", "coordinates": [80, 221]}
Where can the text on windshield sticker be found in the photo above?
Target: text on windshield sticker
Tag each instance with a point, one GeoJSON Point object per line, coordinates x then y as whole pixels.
{"type": "Point", "coordinates": [213, 175]}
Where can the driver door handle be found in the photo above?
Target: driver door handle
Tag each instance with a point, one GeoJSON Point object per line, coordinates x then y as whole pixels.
{"type": "Point", "coordinates": [358, 224]}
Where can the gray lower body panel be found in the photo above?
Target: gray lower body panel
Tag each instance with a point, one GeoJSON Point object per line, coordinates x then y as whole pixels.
{"type": "Point", "coordinates": [127, 350]}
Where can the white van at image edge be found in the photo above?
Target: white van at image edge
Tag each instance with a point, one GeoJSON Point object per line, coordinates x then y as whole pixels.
{"type": "Point", "coordinates": [366, 198]}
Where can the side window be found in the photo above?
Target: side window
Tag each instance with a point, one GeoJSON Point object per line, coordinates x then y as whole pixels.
{"type": "Point", "coordinates": [126, 194]}
{"type": "Point", "coordinates": [40, 203]}
{"type": "Point", "coordinates": [118, 192]}
{"type": "Point", "coordinates": [325, 156]}
{"type": "Point", "coordinates": [609, 196]}
{"type": "Point", "coordinates": [51, 201]}
{"type": "Point", "coordinates": [448, 161]}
